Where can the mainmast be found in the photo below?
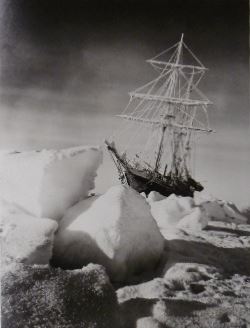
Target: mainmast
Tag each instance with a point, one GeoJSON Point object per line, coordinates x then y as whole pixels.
{"type": "Point", "coordinates": [170, 91]}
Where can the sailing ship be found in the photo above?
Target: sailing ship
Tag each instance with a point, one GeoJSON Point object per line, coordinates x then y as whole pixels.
{"type": "Point", "coordinates": [154, 147]}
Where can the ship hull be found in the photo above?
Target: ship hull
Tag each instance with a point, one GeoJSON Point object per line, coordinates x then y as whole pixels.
{"type": "Point", "coordinates": [146, 183]}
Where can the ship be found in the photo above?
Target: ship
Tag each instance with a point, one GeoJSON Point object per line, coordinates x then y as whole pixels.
{"type": "Point", "coordinates": [153, 147]}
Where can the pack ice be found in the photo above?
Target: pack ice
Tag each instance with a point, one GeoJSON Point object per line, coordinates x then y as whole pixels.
{"type": "Point", "coordinates": [175, 212]}
{"type": "Point", "coordinates": [219, 210]}
{"type": "Point", "coordinates": [116, 230]}
{"type": "Point", "coordinates": [45, 183]}
{"type": "Point", "coordinates": [25, 238]}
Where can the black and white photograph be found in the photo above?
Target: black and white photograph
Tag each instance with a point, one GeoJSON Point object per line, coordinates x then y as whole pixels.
{"type": "Point", "coordinates": [125, 164]}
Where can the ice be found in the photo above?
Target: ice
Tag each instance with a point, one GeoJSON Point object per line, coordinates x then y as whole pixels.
{"type": "Point", "coordinates": [40, 296]}
{"type": "Point", "coordinates": [169, 211]}
{"type": "Point", "coordinates": [246, 213]}
{"type": "Point", "coordinates": [155, 196]}
{"type": "Point", "coordinates": [152, 289]}
{"type": "Point", "coordinates": [196, 220]}
{"type": "Point", "coordinates": [181, 275]}
{"type": "Point", "coordinates": [176, 212]}
{"type": "Point", "coordinates": [219, 210]}
{"type": "Point", "coordinates": [116, 230]}
{"type": "Point", "coordinates": [25, 238]}
{"type": "Point", "coordinates": [148, 322]}
{"type": "Point", "coordinates": [45, 183]}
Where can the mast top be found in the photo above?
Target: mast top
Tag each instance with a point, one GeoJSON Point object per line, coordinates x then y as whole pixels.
{"type": "Point", "coordinates": [179, 50]}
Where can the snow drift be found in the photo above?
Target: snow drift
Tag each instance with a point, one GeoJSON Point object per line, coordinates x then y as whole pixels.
{"type": "Point", "coordinates": [45, 183]}
{"type": "Point", "coordinates": [25, 238]}
{"type": "Point", "coordinates": [116, 230]}
{"type": "Point", "coordinates": [38, 296]}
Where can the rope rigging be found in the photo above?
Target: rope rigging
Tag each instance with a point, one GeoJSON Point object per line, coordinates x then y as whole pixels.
{"type": "Point", "coordinates": [162, 117]}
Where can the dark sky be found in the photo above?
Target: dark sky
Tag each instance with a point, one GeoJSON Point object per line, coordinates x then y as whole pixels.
{"type": "Point", "coordinates": [89, 54]}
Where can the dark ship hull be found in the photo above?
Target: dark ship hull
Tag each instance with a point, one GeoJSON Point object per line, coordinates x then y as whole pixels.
{"type": "Point", "coordinates": [143, 181]}
{"type": "Point", "coordinates": [147, 181]}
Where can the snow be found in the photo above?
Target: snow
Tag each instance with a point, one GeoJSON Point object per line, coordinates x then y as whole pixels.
{"type": "Point", "coordinates": [148, 322]}
{"type": "Point", "coordinates": [219, 210]}
{"type": "Point", "coordinates": [158, 245]}
{"type": "Point", "coordinates": [196, 220]}
{"type": "Point", "coordinates": [45, 183]}
{"type": "Point", "coordinates": [116, 230]}
{"type": "Point", "coordinates": [180, 275]}
{"type": "Point", "coordinates": [154, 196]}
{"type": "Point", "coordinates": [40, 296]}
{"type": "Point", "coordinates": [155, 288]}
{"type": "Point", "coordinates": [176, 212]}
{"type": "Point", "coordinates": [171, 210]}
{"type": "Point", "coordinates": [25, 238]}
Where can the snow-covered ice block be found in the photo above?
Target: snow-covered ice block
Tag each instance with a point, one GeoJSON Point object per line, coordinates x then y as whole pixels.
{"type": "Point", "coordinates": [203, 196]}
{"type": "Point", "coordinates": [45, 183]}
{"type": "Point", "coordinates": [219, 210]}
{"type": "Point", "coordinates": [155, 196]}
{"type": "Point", "coordinates": [116, 230]}
{"type": "Point", "coordinates": [25, 238]}
{"type": "Point", "coordinates": [169, 211]}
{"type": "Point", "coordinates": [196, 220]}
{"type": "Point", "coordinates": [39, 296]}
{"type": "Point", "coordinates": [246, 213]}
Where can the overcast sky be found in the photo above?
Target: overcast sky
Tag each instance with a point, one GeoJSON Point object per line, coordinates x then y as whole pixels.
{"type": "Point", "coordinates": [94, 51]}
{"type": "Point", "coordinates": [64, 63]}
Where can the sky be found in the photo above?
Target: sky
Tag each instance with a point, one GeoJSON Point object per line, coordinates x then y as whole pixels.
{"type": "Point", "coordinates": [67, 67]}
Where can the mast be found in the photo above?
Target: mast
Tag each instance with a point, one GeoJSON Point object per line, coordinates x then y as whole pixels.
{"type": "Point", "coordinates": [159, 153]}
{"type": "Point", "coordinates": [187, 147]}
{"type": "Point", "coordinates": [170, 91]}
{"type": "Point", "coordinates": [179, 50]}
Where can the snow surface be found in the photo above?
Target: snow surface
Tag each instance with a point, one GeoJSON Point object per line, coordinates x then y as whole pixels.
{"type": "Point", "coordinates": [25, 238]}
{"type": "Point", "coordinates": [40, 296]}
{"type": "Point", "coordinates": [148, 322]}
{"type": "Point", "coordinates": [180, 275]}
{"type": "Point", "coordinates": [205, 282]}
{"type": "Point", "coordinates": [155, 288]}
{"type": "Point", "coordinates": [115, 230]}
{"type": "Point", "coordinates": [45, 183]}
{"type": "Point", "coordinates": [197, 277]}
